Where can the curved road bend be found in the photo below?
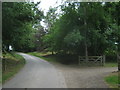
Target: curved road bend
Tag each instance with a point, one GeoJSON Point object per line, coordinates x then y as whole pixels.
{"type": "Point", "coordinates": [37, 73]}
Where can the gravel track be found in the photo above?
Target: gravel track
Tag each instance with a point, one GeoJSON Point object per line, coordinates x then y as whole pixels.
{"type": "Point", "coordinates": [85, 77]}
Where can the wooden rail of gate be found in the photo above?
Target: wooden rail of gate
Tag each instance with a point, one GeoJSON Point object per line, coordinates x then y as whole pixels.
{"type": "Point", "coordinates": [94, 59]}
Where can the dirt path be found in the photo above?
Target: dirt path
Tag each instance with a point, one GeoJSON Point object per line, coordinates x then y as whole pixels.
{"type": "Point", "coordinates": [85, 77]}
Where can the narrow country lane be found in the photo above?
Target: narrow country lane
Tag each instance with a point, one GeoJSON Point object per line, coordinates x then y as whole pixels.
{"type": "Point", "coordinates": [37, 73]}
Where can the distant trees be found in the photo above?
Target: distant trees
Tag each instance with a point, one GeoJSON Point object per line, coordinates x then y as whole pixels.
{"type": "Point", "coordinates": [78, 29]}
{"type": "Point", "coordinates": [85, 29]}
{"type": "Point", "coordinates": [40, 32]}
{"type": "Point", "coordinates": [18, 19]}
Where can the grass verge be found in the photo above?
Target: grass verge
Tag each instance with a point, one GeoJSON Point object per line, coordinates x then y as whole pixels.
{"type": "Point", "coordinates": [111, 64]}
{"type": "Point", "coordinates": [46, 56]}
{"type": "Point", "coordinates": [112, 80]}
{"type": "Point", "coordinates": [63, 59]}
{"type": "Point", "coordinates": [13, 63]}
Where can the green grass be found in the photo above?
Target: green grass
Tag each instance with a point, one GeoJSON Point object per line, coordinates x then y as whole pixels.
{"type": "Point", "coordinates": [53, 58]}
{"type": "Point", "coordinates": [44, 56]}
{"type": "Point", "coordinates": [111, 64]}
{"type": "Point", "coordinates": [14, 63]}
{"type": "Point", "coordinates": [112, 80]}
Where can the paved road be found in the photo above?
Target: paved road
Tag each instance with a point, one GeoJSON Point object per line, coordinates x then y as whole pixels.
{"type": "Point", "coordinates": [37, 73]}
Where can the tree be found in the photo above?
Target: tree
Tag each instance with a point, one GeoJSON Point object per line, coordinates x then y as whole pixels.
{"type": "Point", "coordinates": [18, 20]}
{"type": "Point", "coordinates": [40, 32]}
{"type": "Point", "coordinates": [84, 29]}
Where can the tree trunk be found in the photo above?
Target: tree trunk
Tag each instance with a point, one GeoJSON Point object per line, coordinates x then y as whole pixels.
{"type": "Point", "coordinates": [52, 53]}
{"type": "Point", "coordinates": [7, 47]}
{"type": "Point", "coordinates": [86, 47]}
{"type": "Point", "coordinates": [86, 52]}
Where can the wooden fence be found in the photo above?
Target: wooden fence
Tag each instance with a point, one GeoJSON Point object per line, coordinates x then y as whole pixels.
{"type": "Point", "coordinates": [92, 60]}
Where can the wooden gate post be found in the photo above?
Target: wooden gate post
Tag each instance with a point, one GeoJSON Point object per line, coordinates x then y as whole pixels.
{"type": "Point", "coordinates": [4, 64]}
{"type": "Point", "coordinates": [103, 63]}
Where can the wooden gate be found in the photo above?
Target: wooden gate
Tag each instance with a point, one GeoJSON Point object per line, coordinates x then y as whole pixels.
{"type": "Point", "coordinates": [92, 60]}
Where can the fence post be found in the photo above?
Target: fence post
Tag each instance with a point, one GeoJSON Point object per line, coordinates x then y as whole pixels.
{"type": "Point", "coordinates": [118, 60]}
{"type": "Point", "coordinates": [103, 60]}
{"type": "Point", "coordinates": [4, 64]}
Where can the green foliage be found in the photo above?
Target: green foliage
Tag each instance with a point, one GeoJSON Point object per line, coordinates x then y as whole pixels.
{"type": "Point", "coordinates": [18, 20]}
{"type": "Point", "coordinates": [84, 25]}
{"type": "Point", "coordinates": [79, 28]}
{"type": "Point", "coordinates": [73, 38]}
